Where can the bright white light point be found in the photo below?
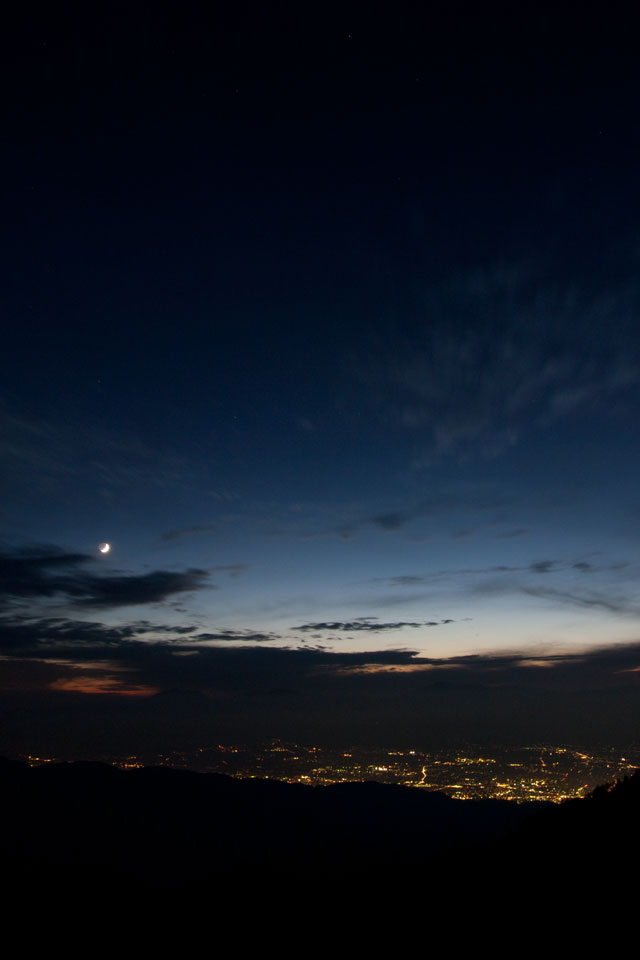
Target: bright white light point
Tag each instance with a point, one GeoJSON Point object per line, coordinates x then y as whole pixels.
{"type": "Point", "coordinates": [104, 547]}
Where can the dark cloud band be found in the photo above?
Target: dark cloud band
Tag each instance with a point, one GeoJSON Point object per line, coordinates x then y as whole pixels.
{"type": "Point", "coordinates": [368, 623]}
{"type": "Point", "coordinates": [44, 574]}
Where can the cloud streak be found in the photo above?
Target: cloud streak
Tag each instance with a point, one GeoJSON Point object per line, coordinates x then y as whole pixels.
{"type": "Point", "coordinates": [472, 390]}
{"type": "Point", "coordinates": [184, 532]}
{"type": "Point", "coordinates": [367, 623]}
{"type": "Point", "coordinates": [618, 605]}
{"type": "Point", "coordinates": [29, 633]}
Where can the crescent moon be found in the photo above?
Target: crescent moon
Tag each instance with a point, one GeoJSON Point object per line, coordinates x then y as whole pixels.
{"type": "Point", "coordinates": [104, 547]}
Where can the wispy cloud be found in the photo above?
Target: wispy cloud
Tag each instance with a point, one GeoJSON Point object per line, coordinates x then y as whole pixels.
{"type": "Point", "coordinates": [41, 453]}
{"type": "Point", "coordinates": [473, 499]}
{"type": "Point", "coordinates": [184, 532]}
{"type": "Point", "coordinates": [233, 569]}
{"type": "Point", "coordinates": [469, 389]}
{"type": "Point", "coordinates": [537, 567]}
{"type": "Point", "coordinates": [613, 604]}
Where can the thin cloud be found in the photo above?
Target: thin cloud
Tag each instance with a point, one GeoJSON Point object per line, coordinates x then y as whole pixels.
{"type": "Point", "coordinates": [543, 566]}
{"type": "Point", "coordinates": [368, 623]}
{"type": "Point", "coordinates": [618, 605]}
{"type": "Point", "coordinates": [230, 636]}
{"type": "Point", "coordinates": [417, 580]}
{"type": "Point", "coordinates": [408, 580]}
{"type": "Point", "coordinates": [391, 521]}
{"type": "Point", "coordinates": [538, 567]}
{"type": "Point", "coordinates": [183, 532]}
{"type": "Point", "coordinates": [40, 454]}
{"type": "Point", "coordinates": [470, 498]}
{"type": "Point", "coordinates": [470, 390]}
{"type": "Point", "coordinates": [233, 569]}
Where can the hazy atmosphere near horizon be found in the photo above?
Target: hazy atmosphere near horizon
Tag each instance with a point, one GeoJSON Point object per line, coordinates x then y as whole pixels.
{"type": "Point", "coordinates": [320, 386]}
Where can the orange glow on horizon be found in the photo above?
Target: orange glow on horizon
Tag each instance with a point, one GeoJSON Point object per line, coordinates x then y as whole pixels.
{"type": "Point", "coordinates": [103, 685]}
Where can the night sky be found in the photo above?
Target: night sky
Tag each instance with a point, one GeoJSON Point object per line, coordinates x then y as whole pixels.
{"type": "Point", "coordinates": [328, 323]}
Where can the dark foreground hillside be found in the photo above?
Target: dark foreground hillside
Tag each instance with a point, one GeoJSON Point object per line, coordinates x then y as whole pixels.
{"type": "Point", "coordinates": [599, 832]}
{"type": "Point", "coordinates": [84, 827]}
{"type": "Point", "coordinates": [155, 827]}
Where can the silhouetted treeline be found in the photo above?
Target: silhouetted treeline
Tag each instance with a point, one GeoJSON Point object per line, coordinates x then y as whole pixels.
{"type": "Point", "coordinates": [597, 833]}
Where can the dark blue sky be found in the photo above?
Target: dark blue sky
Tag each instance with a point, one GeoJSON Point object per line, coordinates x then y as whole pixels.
{"type": "Point", "coordinates": [329, 326]}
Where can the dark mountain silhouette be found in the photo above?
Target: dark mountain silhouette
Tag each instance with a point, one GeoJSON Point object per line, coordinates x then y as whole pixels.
{"type": "Point", "coordinates": [90, 825]}
{"type": "Point", "coordinates": [163, 827]}
{"type": "Point", "coordinates": [596, 832]}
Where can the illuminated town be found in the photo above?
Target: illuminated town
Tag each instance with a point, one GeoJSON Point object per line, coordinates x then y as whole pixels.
{"type": "Point", "coordinates": [540, 772]}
